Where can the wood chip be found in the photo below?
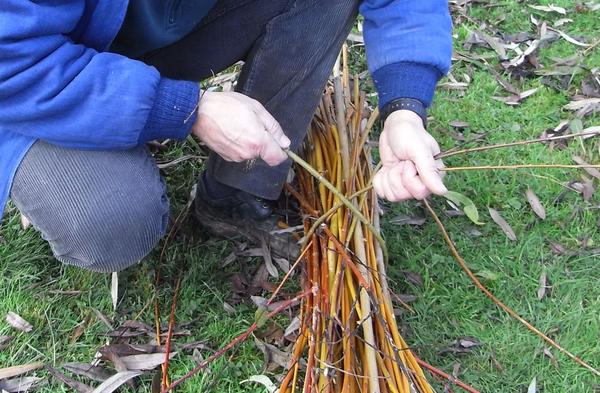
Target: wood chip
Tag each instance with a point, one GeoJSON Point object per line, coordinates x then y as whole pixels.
{"type": "Point", "coordinates": [535, 204]}
{"type": "Point", "coordinates": [506, 228]}
{"type": "Point", "coordinates": [18, 323]}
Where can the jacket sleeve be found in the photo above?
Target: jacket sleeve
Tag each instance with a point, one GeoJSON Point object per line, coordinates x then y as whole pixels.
{"type": "Point", "coordinates": [54, 89]}
{"type": "Point", "coordinates": [409, 46]}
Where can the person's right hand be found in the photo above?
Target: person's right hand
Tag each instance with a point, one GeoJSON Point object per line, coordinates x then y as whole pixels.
{"type": "Point", "coordinates": [239, 128]}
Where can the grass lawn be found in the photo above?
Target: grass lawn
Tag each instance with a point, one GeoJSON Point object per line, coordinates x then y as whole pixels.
{"type": "Point", "coordinates": [447, 307]}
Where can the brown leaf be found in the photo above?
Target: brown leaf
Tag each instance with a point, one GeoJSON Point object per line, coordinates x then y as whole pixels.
{"type": "Point", "coordinates": [18, 323]}
{"type": "Point", "coordinates": [461, 346]}
{"type": "Point", "coordinates": [588, 190]}
{"type": "Point", "coordinates": [5, 341]}
{"type": "Point", "coordinates": [543, 285]}
{"type": "Point", "coordinates": [104, 319]}
{"type": "Point", "coordinates": [80, 329]}
{"type": "Point", "coordinates": [551, 357]}
{"type": "Point", "coordinates": [70, 382]}
{"type": "Point", "coordinates": [274, 357]}
{"type": "Point", "coordinates": [506, 228]}
{"type": "Point", "coordinates": [14, 371]}
{"type": "Point", "coordinates": [156, 386]}
{"type": "Point", "coordinates": [96, 373]}
{"type": "Point", "coordinates": [535, 204]}
{"type": "Point", "coordinates": [413, 278]}
{"type": "Point", "coordinates": [18, 385]}
{"type": "Point", "coordinates": [591, 171]}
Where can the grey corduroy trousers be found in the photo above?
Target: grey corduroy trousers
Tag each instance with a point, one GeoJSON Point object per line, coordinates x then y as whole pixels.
{"type": "Point", "coordinates": [106, 210]}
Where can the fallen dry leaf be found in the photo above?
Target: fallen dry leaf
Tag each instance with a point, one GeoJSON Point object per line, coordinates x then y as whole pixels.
{"type": "Point", "coordinates": [80, 329]}
{"type": "Point", "coordinates": [550, 356]}
{"type": "Point", "coordinates": [18, 323]}
{"type": "Point", "coordinates": [96, 373]}
{"type": "Point", "coordinates": [116, 381]}
{"type": "Point", "coordinates": [506, 228]}
{"type": "Point", "coordinates": [14, 371]}
{"type": "Point", "coordinates": [549, 8]}
{"type": "Point", "coordinates": [591, 171]}
{"type": "Point", "coordinates": [114, 289]}
{"type": "Point", "coordinates": [274, 357]}
{"type": "Point", "coordinates": [532, 386]}
{"type": "Point", "coordinates": [147, 361]}
{"type": "Point", "coordinates": [5, 341]}
{"type": "Point", "coordinates": [543, 285]}
{"type": "Point", "coordinates": [18, 385]}
{"type": "Point", "coordinates": [535, 204]}
{"type": "Point", "coordinates": [70, 382]}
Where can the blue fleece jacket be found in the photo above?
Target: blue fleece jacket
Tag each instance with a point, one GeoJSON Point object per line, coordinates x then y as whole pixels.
{"type": "Point", "coordinates": [60, 83]}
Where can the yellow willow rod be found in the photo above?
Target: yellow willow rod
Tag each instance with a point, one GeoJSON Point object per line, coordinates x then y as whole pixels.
{"type": "Point", "coordinates": [322, 180]}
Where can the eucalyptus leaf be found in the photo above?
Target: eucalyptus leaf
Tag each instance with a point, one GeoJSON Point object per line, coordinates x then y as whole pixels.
{"type": "Point", "coordinates": [468, 206]}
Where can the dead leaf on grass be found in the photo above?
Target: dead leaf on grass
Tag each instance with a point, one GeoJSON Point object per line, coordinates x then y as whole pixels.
{"type": "Point", "coordinates": [532, 386]}
{"type": "Point", "coordinates": [96, 373]}
{"type": "Point", "coordinates": [145, 362]}
{"type": "Point", "coordinates": [5, 341]}
{"type": "Point", "coordinates": [535, 204]}
{"type": "Point", "coordinates": [114, 289]}
{"type": "Point", "coordinates": [80, 329]}
{"type": "Point", "coordinates": [70, 382]}
{"type": "Point", "coordinates": [591, 171]}
{"type": "Point", "coordinates": [15, 321]}
{"type": "Point", "coordinates": [543, 285]}
{"type": "Point", "coordinates": [116, 381]}
{"type": "Point", "coordinates": [506, 228]}
{"type": "Point", "coordinates": [549, 354]}
{"type": "Point", "coordinates": [549, 8]}
{"type": "Point", "coordinates": [462, 345]}
{"type": "Point", "coordinates": [274, 357]}
{"type": "Point", "coordinates": [18, 385]}
{"type": "Point", "coordinates": [516, 99]}
{"type": "Point", "coordinates": [15, 371]}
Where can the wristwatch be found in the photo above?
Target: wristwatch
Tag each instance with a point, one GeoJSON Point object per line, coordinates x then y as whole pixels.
{"type": "Point", "coordinates": [410, 104]}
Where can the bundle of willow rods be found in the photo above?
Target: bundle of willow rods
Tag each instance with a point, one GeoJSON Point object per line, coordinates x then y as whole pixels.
{"type": "Point", "coordinates": [349, 340]}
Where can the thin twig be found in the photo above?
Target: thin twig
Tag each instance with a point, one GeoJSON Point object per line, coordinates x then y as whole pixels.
{"type": "Point", "coordinates": [518, 143]}
{"type": "Point", "coordinates": [342, 198]}
{"type": "Point", "coordinates": [442, 374]}
{"type": "Point", "coordinates": [510, 311]}
{"type": "Point", "coordinates": [517, 166]}
{"type": "Point", "coordinates": [165, 378]}
{"type": "Point", "coordinates": [242, 337]}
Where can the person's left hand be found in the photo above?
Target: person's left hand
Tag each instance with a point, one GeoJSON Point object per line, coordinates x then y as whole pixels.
{"type": "Point", "coordinates": [409, 169]}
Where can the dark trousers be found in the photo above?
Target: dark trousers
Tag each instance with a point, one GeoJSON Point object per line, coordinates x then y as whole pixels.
{"type": "Point", "coordinates": [288, 48]}
{"type": "Point", "coordinates": [105, 210]}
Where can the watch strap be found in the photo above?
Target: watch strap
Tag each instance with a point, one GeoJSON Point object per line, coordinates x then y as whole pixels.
{"type": "Point", "coordinates": [410, 104]}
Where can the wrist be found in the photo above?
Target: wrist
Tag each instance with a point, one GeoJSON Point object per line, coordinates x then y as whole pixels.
{"type": "Point", "coordinates": [405, 105]}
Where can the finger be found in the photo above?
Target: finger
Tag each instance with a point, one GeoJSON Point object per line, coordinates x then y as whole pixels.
{"type": "Point", "coordinates": [428, 173]}
{"type": "Point", "coordinates": [271, 152]}
{"type": "Point", "coordinates": [377, 184]}
{"type": "Point", "coordinates": [270, 123]}
{"type": "Point", "coordinates": [412, 182]}
{"type": "Point", "coordinates": [398, 190]}
{"type": "Point", "coordinates": [272, 126]}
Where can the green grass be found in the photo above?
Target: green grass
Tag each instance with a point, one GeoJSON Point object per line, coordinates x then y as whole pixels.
{"type": "Point", "coordinates": [447, 305]}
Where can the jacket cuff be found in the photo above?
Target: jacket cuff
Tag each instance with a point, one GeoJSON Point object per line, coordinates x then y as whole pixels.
{"type": "Point", "coordinates": [174, 111]}
{"type": "Point", "coordinates": [406, 80]}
